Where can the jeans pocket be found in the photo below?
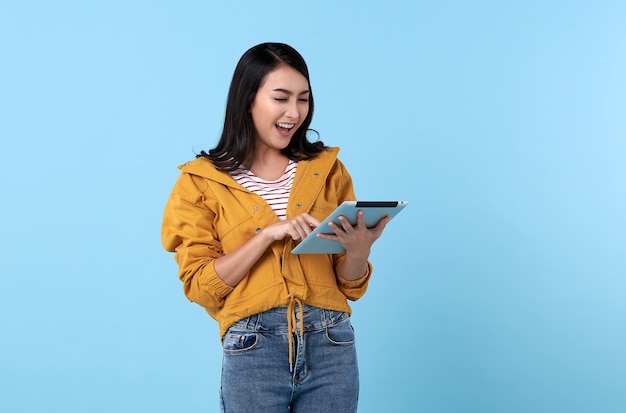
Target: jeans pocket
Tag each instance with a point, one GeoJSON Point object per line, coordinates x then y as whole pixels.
{"type": "Point", "coordinates": [239, 342]}
{"type": "Point", "coordinates": [335, 317]}
{"type": "Point", "coordinates": [341, 334]}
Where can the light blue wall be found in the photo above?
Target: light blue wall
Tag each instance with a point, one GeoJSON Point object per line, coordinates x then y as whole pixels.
{"type": "Point", "coordinates": [499, 289]}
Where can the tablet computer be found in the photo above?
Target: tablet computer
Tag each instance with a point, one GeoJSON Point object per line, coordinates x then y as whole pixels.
{"type": "Point", "coordinates": [374, 211]}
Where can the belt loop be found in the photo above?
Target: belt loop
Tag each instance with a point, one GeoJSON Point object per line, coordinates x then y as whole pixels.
{"type": "Point", "coordinates": [324, 318]}
{"type": "Point", "coordinates": [252, 322]}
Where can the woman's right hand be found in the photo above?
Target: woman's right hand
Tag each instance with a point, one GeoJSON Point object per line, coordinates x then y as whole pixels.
{"type": "Point", "coordinates": [232, 267]}
{"type": "Point", "coordinates": [296, 227]}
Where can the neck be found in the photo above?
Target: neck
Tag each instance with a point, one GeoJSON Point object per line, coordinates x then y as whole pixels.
{"type": "Point", "coordinates": [269, 166]}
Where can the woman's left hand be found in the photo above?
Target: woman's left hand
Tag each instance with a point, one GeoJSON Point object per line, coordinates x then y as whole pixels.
{"type": "Point", "coordinates": [357, 240]}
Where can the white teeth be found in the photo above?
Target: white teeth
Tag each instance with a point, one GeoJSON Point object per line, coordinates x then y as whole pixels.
{"type": "Point", "coordinates": [286, 125]}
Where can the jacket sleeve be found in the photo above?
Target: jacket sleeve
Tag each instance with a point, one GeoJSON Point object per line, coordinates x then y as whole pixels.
{"type": "Point", "coordinates": [187, 230]}
{"type": "Point", "coordinates": [353, 290]}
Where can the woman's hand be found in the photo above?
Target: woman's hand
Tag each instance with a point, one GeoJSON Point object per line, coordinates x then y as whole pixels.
{"type": "Point", "coordinates": [232, 267]}
{"type": "Point", "coordinates": [357, 240]}
{"type": "Point", "coordinates": [296, 227]}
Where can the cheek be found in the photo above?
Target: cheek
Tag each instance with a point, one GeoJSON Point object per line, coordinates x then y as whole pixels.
{"type": "Point", "coordinates": [260, 117]}
{"type": "Point", "coordinates": [304, 113]}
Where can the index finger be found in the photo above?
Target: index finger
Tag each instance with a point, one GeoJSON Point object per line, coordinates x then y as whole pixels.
{"type": "Point", "coordinates": [311, 220]}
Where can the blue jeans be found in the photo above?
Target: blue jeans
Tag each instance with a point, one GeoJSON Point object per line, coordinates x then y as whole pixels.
{"type": "Point", "coordinates": [257, 375]}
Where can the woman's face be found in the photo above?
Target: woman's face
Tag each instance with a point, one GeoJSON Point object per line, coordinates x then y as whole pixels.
{"type": "Point", "coordinates": [279, 108]}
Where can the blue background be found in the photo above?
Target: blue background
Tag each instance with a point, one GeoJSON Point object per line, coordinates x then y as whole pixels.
{"type": "Point", "coordinates": [500, 288]}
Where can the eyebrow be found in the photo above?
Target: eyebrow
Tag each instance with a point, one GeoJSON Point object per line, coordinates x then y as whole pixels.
{"type": "Point", "coordinates": [288, 92]}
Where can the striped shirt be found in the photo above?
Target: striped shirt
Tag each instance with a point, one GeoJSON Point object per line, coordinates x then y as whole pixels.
{"type": "Point", "coordinates": [275, 193]}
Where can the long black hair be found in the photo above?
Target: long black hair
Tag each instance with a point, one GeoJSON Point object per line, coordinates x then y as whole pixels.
{"type": "Point", "coordinates": [236, 144]}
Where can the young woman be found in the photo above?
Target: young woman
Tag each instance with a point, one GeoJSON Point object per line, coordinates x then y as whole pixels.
{"type": "Point", "coordinates": [232, 219]}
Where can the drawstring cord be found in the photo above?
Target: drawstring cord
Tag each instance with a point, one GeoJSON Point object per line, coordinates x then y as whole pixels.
{"type": "Point", "coordinates": [292, 324]}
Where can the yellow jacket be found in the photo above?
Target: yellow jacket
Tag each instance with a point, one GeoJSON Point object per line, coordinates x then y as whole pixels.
{"type": "Point", "coordinates": [208, 214]}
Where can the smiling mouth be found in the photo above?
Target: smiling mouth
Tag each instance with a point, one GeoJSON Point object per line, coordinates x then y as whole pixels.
{"type": "Point", "coordinates": [286, 126]}
{"type": "Point", "coordinates": [284, 129]}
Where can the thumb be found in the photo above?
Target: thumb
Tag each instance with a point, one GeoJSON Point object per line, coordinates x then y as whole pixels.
{"type": "Point", "coordinates": [381, 225]}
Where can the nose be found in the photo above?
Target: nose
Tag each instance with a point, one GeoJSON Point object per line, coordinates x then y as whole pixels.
{"type": "Point", "coordinates": [292, 110]}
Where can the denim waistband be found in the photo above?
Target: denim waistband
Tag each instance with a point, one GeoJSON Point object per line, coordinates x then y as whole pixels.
{"type": "Point", "coordinates": [308, 318]}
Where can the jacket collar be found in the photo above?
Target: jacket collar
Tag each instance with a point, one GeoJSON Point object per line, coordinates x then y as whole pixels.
{"type": "Point", "coordinates": [310, 176]}
{"type": "Point", "coordinates": [204, 168]}
{"type": "Point", "coordinates": [310, 179]}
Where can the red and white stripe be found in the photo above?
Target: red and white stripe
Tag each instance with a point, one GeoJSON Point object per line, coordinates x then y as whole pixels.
{"type": "Point", "coordinates": [275, 193]}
